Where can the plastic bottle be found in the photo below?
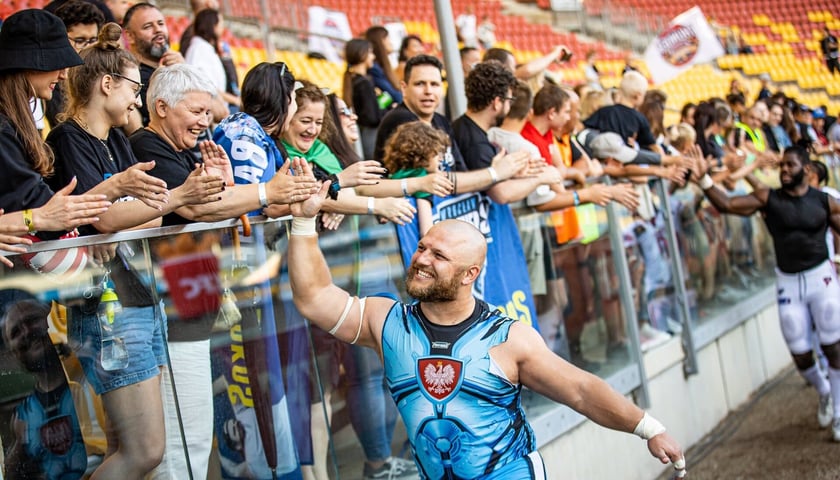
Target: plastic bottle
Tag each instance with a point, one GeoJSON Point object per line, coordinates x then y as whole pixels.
{"type": "Point", "coordinates": [113, 354]}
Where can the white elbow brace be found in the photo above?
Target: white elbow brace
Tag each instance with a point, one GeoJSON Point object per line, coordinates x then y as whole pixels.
{"type": "Point", "coordinates": [648, 427]}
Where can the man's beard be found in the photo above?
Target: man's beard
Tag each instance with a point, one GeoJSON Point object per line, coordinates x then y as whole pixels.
{"type": "Point", "coordinates": [439, 291]}
{"type": "Point", "coordinates": [795, 180]}
{"type": "Point", "coordinates": [500, 119]}
{"type": "Point", "coordinates": [152, 50]}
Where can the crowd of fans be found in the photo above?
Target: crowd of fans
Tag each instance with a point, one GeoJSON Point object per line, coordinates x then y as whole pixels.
{"type": "Point", "coordinates": [142, 135]}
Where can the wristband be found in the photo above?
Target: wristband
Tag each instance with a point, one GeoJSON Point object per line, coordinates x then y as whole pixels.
{"type": "Point", "coordinates": [493, 175]}
{"type": "Point", "coordinates": [371, 204]}
{"type": "Point", "coordinates": [706, 182]}
{"type": "Point", "coordinates": [576, 196]}
{"type": "Point", "coordinates": [263, 197]}
{"type": "Point", "coordinates": [303, 226]}
{"type": "Point", "coordinates": [404, 185]}
{"type": "Point", "coordinates": [335, 186]}
{"type": "Point", "coordinates": [648, 427]}
{"type": "Point", "coordinates": [27, 220]}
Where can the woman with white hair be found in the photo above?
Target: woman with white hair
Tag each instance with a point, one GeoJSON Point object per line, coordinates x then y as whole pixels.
{"type": "Point", "coordinates": [180, 99]}
{"type": "Point", "coordinates": [91, 147]}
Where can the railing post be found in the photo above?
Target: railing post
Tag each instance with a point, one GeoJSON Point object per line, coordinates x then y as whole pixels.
{"type": "Point", "coordinates": [625, 292]}
{"type": "Point", "coordinates": [678, 275]}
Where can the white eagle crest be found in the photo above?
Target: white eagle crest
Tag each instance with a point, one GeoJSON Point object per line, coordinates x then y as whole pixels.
{"type": "Point", "coordinates": [439, 379]}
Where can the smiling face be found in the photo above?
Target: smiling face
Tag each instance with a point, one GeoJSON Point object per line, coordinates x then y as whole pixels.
{"type": "Point", "coordinates": [348, 120]}
{"type": "Point", "coordinates": [43, 83]}
{"type": "Point", "coordinates": [147, 34]}
{"type": "Point", "coordinates": [422, 92]}
{"type": "Point", "coordinates": [305, 126]}
{"type": "Point", "coordinates": [447, 261]}
{"type": "Point", "coordinates": [182, 124]}
{"type": "Point", "coordinates": [124, 96]}
{"type": "Point", "coordinates": [26, 336]}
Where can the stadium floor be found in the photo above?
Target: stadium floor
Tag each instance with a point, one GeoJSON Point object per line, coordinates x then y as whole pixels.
{"type": "Point", "coordinates": [773, 436]}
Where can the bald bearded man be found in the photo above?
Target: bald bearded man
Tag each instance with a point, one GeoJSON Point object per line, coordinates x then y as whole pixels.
{"type": "Point", "coordinates": [455, 365]}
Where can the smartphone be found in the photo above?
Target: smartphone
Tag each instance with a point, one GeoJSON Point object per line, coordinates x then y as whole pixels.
{"type": "Point", "coordinates": [566, 56]}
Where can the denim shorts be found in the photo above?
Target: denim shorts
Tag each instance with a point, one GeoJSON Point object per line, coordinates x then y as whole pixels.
{"type": "Point", "coordinates": [141, 328]}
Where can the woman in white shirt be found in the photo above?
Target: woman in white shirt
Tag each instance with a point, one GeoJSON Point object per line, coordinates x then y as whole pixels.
{"type": "Point", "coordinates": [203, 51]}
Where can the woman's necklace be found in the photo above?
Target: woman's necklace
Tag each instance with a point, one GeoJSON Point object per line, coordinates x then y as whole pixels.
{"type": "Point", "coordinates": [85, 127]}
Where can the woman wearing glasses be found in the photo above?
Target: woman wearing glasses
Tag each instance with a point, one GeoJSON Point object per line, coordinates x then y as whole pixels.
{"type": "Point", "coordinates": [91, 147]}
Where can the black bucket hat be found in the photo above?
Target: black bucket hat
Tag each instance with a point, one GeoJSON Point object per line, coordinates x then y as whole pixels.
{"type": "Point", "coordinates": [34, 39]}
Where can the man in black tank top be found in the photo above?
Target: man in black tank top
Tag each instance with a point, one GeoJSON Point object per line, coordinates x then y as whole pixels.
{"type": "Point", "coordinates": [797, 217]}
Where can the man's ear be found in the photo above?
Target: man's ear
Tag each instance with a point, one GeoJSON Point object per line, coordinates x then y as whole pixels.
{"type": "Point", "coordinates": [471, 274]}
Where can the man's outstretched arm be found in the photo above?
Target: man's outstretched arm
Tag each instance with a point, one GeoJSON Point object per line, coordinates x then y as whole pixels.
{"type": "Point", "coordinates": [316, 297]}
{"type": "Point", "coordinates": [543, 371]}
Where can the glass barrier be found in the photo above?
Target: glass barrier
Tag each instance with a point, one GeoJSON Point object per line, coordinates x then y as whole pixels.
{"type": "Point", "coordinates": [726, 259]}
{"type": "Point", "coordinates": [89, 324]}
{"type": "Point", "coordinates": [576, 291]}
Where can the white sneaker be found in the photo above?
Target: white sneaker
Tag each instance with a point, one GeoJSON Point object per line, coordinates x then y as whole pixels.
{"type": "Point", "coordinates": [835, 430]}
{"type": "Point", "coordinates": [650, 337]}
{"type": "Point", "coordinates": [825, 413]}
{"type": "Point", "coordinates": [674, 326]}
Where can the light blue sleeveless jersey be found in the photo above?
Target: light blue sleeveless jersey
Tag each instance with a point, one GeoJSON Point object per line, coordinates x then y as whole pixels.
{"type": "Point", "coordinates": [463, 420]}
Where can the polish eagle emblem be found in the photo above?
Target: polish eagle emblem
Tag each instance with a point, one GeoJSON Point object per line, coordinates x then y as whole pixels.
{"type": "Point", "coordinates": [439, 376]}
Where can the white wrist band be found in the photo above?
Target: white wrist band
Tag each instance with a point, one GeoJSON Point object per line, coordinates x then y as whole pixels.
{"type": "Point", "coordinates": [303, 226]}
{"type": "Point", "coordinates": [706, 182]}
{"type": "Point", "coordinates": [404, 185]}
{"type": "Point", "coordinates": [263, 196]}
{"type": "Point", "coordinates": [371, 204]}
{"type": "Point", "coordinates": [493, 175]}
{"type": "Point", "coordinates": [648, 427]}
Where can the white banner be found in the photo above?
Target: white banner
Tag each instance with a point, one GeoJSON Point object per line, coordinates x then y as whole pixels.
{"type": "Point", "coordinates": [332, 24]}
{"type": "Point", "coordinates": [687, 40]}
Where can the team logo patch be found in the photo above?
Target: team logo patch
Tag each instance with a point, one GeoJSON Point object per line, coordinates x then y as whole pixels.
{"type": "Point", "coordinates": [678, 44]}
{"type": "Point", "coordinates": [440, 376]}
{"type": "Point", "coordinates": [826, 280]}
{"type": "Point", "coordinates": [57, 435]}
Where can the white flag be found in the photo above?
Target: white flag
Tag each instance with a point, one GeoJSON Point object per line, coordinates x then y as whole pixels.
{"type": "Point", "coordinates": [688, 39]}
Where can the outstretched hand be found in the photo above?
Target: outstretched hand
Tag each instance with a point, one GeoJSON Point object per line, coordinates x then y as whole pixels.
{"type": "Point", "coordinates": [136, 182]}
{"type": "Point", "coordinates": [509, 164]}
{"type": "Point", "coordinates": [666, 449]}
{"type": "Point", "coordinates": [216, 161]}
{"type": "Point", "coordinates": [366, 172]}
{"type": "Point", "coordinates": [11, 239]}
{"type": "Point", "coordinates": [311, 204]}
{"type": "Point", "coordinates": [65, 211]}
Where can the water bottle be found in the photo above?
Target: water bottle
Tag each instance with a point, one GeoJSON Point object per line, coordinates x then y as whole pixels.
{"type": "Point", "coordinates": [113, 354]}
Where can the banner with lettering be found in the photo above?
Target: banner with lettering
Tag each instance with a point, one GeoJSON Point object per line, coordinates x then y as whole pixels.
{"type": "Point", "coordinates": [687, 40]}
{"type": "Point", "coordinates": [504, 280]}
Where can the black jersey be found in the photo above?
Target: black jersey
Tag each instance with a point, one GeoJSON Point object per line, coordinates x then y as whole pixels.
{"type": "Point", "coordinates": [798, 226]}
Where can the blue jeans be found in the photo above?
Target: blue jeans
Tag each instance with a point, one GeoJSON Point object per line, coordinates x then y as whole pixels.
{"type": "Point", "coordinates": [373, 413]}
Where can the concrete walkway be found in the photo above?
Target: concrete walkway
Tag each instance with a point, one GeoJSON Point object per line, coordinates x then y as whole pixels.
{"type": "Point", "coordinates": [775, 435]}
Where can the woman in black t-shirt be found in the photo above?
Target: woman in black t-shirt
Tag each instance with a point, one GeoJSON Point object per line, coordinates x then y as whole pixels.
{"type": "Point", "coordinates": [89, 145]}
{"type": "Point", "coordinates": [360, 93]}
{"type": "Point", "coordinates": [27, 203]}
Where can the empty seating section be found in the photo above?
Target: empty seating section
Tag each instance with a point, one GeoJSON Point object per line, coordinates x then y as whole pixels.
{"type": "Point", "coordinates": [783, 34]}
